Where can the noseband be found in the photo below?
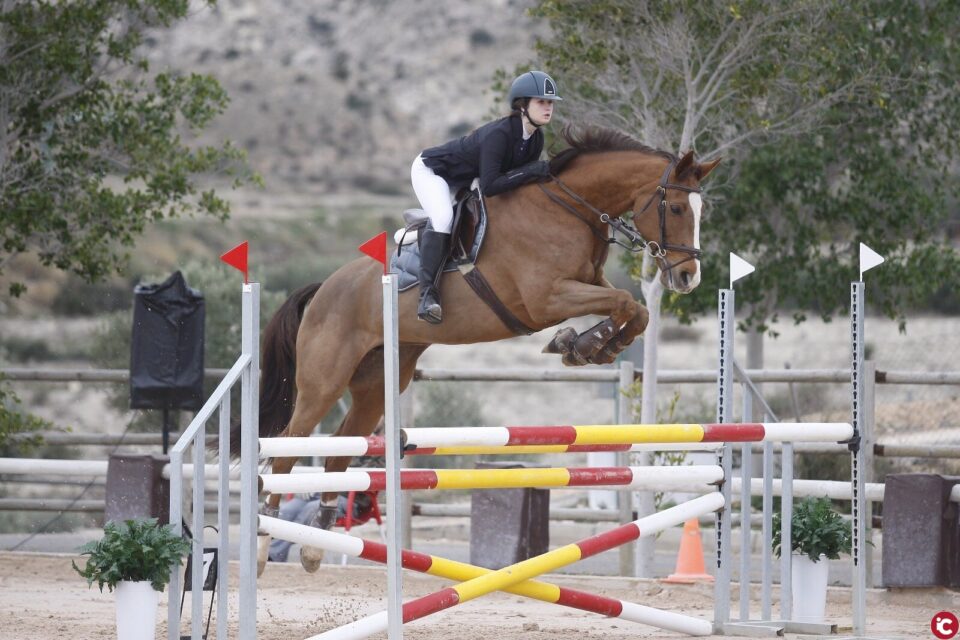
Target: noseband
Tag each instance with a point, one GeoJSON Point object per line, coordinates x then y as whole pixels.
{"type": "Point", "coordinates": [657, 248]}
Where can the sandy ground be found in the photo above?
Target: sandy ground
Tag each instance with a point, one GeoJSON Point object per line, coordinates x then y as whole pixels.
{"type": "Point", "coordinates": [42, 598]}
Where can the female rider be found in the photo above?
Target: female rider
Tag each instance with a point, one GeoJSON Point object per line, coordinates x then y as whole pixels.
{"type": "Point", "coordinates": [503, 154]}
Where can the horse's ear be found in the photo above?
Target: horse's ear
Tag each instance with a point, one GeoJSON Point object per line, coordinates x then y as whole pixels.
{"type": "Point", "coordinates": [704, 169]}
{"type": "Point", "coordinates": [684, 165]}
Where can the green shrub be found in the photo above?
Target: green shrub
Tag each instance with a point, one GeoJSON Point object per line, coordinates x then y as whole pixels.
{"type": "Point", "coordinates": [816, 530]}
{"type": "Point", "coordinates": [138, 550]}
{"type": "Point", "coordinates": [16, 422]}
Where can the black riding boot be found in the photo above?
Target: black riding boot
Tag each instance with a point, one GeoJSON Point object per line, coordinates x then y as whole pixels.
{"type": "Point", "coordinates": [434, 248]}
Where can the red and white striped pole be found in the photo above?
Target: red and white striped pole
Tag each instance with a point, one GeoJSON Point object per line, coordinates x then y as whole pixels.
{"type": "Point", "coordinates": [461, 572]}
{"type": "Point", "coordinates": [520, 572]}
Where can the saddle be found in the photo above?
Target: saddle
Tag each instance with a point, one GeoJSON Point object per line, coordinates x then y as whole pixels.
{"type": "Point", "coordinates": [467, 233]}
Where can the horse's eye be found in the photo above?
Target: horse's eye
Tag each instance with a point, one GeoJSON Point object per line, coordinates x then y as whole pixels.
{"type": "Point", "coordinates": [677, 209]}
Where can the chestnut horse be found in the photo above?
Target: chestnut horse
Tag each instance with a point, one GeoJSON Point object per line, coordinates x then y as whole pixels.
{"type": "Point", "coordinates": [543, 256]}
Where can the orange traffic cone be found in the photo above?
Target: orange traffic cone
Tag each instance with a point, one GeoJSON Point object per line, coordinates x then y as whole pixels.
{"type": "Point", "coordinates": [690, 567]}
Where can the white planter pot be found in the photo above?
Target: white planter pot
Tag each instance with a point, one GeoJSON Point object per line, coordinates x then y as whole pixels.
{"type": "Point", "coordinates": [136, 611]}
{"type": "Point", "coordinates": [809, 582]}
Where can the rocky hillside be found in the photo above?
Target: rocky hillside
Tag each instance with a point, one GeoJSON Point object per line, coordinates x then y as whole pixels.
{"type": "Point", "coordinates": [340, 95]}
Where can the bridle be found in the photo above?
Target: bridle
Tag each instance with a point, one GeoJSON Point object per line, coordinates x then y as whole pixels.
{"type": "Point", "coordinates": [656, 248]}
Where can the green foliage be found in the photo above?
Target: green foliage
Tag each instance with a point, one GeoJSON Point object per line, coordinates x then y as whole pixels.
{"type": "Point", "coordinates": [137, 551]}
{"type": "Point", "coordinates": [442, 404]}
{"type": "Point", "coordinates": [836, 123]}
{"type": "Point", "coordinates": [92, 149]}
{"type": "Point", "coordinates": [816, 530]}
{"type": "Point", "coordinates": [14, 422]}
{"type": "Point", "coordinates": [446, 405]}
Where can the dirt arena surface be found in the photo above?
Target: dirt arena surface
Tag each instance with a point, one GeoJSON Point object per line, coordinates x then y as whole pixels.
{"type": "Point", "coordinates": [41, 598]}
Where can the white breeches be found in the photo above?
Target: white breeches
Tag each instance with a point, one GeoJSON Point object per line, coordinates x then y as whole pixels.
{"type": "Point", "coordinates": [435, 195]}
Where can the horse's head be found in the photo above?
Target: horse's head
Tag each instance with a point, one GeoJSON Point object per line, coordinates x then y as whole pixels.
{"type": "Point", "coordinates": [669, 219]}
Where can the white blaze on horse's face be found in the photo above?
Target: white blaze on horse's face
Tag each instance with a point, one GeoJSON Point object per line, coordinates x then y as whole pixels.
{"type": "Point", "coordinates": [696, 205]}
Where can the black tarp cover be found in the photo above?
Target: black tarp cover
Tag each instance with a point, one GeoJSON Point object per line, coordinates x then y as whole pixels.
{"type": "Point", "coordinates": [166, 351]}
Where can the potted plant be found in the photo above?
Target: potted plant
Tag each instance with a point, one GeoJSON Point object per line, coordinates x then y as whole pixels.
{"type": "Point", "coordinates": [817, 533]}
{"type": "Point", "coordinates": [135, 558]}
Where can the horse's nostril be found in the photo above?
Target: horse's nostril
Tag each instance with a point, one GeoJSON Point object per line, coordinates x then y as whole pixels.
{"type": "Point", "coordinates": [685, 278]}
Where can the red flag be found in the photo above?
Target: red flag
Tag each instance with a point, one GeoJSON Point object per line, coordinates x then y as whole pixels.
{"type": "Point", "coordinates": [376, 248]}
{"type": "Point", "coordinates": [237, 258]}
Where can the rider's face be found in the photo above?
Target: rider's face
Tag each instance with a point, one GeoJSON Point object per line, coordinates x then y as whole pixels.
{"type": "Point", "coordinates": [540, 111]}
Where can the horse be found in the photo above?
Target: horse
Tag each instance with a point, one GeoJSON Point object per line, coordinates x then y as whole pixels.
{"type": "Point", "coordinates": [543, 256]}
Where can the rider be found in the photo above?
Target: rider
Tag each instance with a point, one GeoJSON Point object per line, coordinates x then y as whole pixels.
{"type": "Point", "coordinates": [503, 154]}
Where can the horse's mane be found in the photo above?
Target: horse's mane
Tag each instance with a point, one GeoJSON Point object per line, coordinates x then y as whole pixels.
{"type": "Point", "coordinates": [594, 139]}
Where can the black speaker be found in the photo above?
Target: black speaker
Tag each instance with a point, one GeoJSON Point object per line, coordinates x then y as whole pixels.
{"type": "Point", "coordinates": [166, 351]}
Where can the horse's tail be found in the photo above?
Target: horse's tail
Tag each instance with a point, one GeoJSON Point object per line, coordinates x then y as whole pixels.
{"type": "Point", "coordinates": [278, 363]}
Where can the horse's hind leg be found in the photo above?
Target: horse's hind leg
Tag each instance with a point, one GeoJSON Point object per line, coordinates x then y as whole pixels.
{"type": "Point", "coordinates": [367, 393]}
{"type": "Point", "coordinates": [316, 394]}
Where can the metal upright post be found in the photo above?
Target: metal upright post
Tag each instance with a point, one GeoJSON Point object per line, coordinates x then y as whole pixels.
{"type": "Point", "coordinates": [786, 532]}
{"type": "Point", "coordinates": [629, 553]}
{"type": "Point", "coordinates": [868, 439]}
{"type": "Point", "coordinates": [766, 578]}
{"type": "Point", "coordinates": [223, 520]}
{"type": "Point", "coordinates": [407, 421]}
{"type": "Point", "coordinates": [726, 312]}
{"type": "Point", "coordinates": [856, 459]}
{"type": "Point", "coordinates": [746, 475]}
{"type": "Point", "coordinates": [391, 378]}
{"type": "Point", "coordinates": [176, 523]}
{"type": "Point", "coordinates": [196, 575]}
{"type": "Point", "coordinates": [249, 452]}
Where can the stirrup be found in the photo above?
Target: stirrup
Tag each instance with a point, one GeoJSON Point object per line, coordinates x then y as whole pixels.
{"type": "Point", "coordinates": [429, 309]}
{"type": "Point", "coordinates": [432, 314]}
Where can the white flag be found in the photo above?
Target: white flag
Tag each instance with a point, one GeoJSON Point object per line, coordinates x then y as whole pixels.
{"type": "Point", "coordinates": [868, 259]}
{"type": "Point", "coordinates": [739, 268]}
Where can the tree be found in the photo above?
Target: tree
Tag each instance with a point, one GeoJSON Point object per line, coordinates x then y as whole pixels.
{"type": "Point", "coordinates": [835, 123]}
{"type": "Point", "coordinates": [826, 114]}
{"type": "Point", "coordinates": [91, 142]}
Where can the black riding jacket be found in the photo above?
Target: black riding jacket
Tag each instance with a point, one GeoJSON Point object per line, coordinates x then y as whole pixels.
{"type": "Point", "coordinates": [494, 152]}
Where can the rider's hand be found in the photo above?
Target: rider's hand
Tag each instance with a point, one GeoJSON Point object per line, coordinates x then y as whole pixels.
{"type": "Point", "coordinates": [539, 168]}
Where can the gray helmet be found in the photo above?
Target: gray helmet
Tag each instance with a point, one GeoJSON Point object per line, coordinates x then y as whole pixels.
{"type": "Point", "coordinates": [533, 84]}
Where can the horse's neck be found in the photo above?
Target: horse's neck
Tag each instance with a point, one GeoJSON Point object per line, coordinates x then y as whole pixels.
{"type": "Point", "coordinates": [611, 182]}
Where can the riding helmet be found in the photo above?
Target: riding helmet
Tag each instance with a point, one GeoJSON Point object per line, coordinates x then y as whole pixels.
{"type": "Point", "coordinates": [533, 84]}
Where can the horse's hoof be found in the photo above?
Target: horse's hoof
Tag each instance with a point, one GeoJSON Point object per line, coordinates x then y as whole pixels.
{"type": "Point", "coordinates": [325, 517]}
{"type": "Point", "coordinates": [263, 552]}
{"type": "Point", "coordinates": [562, 342]}
{"type": "Point", "coordinates": [310, 558]}
{"type": "Point", "coordinates": [573, 359]}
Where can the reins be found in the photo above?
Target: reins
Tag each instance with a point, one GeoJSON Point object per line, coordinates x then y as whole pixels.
{"type": "Point", "coordinates": [637, 243]}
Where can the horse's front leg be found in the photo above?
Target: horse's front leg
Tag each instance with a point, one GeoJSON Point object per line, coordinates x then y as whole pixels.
{"type": "Point", "coordinates": [626, 319]}
{"type": "Point", "coordinates": [625, 337]}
